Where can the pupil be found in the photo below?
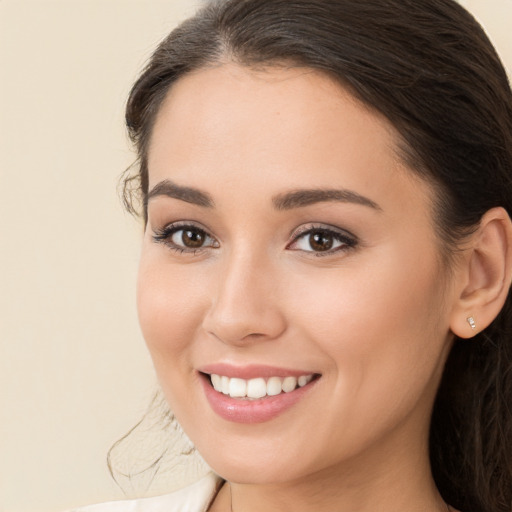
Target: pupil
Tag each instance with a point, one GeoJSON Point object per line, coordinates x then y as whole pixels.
{"type": "Point", "coordinates": [192, 239]}
{"type": "Point", "coordinates": [320, 241]}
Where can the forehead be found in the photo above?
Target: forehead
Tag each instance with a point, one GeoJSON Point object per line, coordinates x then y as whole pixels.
{"type": "Point", "coordinates": [280, 126]}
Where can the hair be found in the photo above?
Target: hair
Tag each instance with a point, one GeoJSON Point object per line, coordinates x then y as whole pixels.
{"type": "Point", "coordinates": [429, 68]}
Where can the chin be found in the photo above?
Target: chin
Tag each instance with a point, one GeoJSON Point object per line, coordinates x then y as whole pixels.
{"type": "Point", "coordinates": [255, 462]}
{"type": "Point", "coordinates": [254, 473]}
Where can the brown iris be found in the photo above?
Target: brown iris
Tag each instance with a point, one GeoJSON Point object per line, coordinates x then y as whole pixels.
{"type": "Point", "coordinates": [193, 239]}
{"type": "Point", "coordinates": [321, 241]}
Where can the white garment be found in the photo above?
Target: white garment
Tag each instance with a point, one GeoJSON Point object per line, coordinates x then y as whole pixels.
{"type": "Point", "coordinates": [194, 498]}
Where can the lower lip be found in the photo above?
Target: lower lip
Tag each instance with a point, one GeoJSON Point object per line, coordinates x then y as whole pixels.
{"type": "Point", "coordinates": [252, 411]}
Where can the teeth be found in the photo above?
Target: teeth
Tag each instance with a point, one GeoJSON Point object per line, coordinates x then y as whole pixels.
{"type": "Point", "coordinates": [224, 385]}
{"type": "Point", "coordinates": [237, 388]}
{"type": "Point", "coordinates": [257, 388]}
{"type": "Point", "coordinates": [289, 384]}
{"type": "Point", "coordinates": [304, 379]}
{"type": "Point", "coordinates": [274, 386]}
{"type": "Point", "coordinates": [216, 382]}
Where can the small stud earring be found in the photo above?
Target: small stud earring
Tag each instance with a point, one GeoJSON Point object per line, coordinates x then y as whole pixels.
{"type": "Point", "coordinates": [471, 322]}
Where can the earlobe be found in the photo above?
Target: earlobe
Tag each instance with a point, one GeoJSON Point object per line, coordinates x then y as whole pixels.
{"type": "Point", "coordinates": [471, 322]}
{"type": "Point", "coordinates": [487, 273]}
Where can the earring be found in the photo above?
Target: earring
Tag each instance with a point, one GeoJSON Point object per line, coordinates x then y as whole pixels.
{"type": "Point", "coordinates": [471, 322]}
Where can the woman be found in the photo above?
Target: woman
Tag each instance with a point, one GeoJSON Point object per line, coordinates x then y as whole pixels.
{"type": "Point", "coordinates": [325, 272]}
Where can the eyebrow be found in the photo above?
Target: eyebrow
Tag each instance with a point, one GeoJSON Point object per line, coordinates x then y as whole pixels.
{"type": "Point", "coordinates": [286, 201]}
{"type": "Point", "coordinates": [306, 197]}
{"type": "Point", "coordinates": [188, 194]}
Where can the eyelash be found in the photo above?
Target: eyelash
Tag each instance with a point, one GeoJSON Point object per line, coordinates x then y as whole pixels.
{"type": "Point", "coordinates": [164, 236]}
{"type": "Point", "coordinates": [346, 240]}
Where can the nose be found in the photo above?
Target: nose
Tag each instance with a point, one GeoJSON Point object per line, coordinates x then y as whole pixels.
{"type": "Point", "coordinates": [244, 306]}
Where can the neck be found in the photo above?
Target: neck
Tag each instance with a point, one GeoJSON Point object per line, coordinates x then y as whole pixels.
{"type": "Point", "coordinates": [339, 496]}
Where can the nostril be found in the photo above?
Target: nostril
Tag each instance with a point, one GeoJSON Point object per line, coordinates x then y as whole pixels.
{"type": "Point", "coordinates": [241, 311]}
{"type": "Point", "coordinates": [255, 335]}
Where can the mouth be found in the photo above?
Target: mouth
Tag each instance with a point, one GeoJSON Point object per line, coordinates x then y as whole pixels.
{"type": "Point", "coordinates": [254, 394]}
{"type": "Point", "coordinates": [259, 387]}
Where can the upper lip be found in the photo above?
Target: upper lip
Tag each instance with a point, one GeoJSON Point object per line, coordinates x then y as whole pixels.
{"type": "Point", "coordinates": [251, 371]}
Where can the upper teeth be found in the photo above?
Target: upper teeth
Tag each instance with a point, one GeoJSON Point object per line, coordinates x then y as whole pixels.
{"type": "Point", "coordinates": [257, 388]}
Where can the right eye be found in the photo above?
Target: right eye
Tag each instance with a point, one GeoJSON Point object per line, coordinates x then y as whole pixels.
{"type": "Point", "coordinates": [184, 238]}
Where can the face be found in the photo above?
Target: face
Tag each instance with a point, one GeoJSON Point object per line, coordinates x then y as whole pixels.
{"type": "Point", "coordinates": [291, 290]}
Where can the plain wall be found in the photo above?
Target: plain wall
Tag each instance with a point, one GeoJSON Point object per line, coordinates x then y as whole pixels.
{"type": "Point", "coordinates": [74, 372]}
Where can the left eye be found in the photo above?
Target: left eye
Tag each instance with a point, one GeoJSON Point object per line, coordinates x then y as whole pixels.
{"type": "Point", "coordinates": [321, 240]}
{"type": "Point", "coordinates": [185, 238]}
{"type": "Point", "coordinates": [189, 238]}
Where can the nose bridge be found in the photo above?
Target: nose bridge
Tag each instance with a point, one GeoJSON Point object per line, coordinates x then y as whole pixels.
{"type": "Point", "coordinates": [243, 305]}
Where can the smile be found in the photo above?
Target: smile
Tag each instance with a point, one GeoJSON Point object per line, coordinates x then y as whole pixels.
{"type": "Point", "coordinates": [254, 394]}
{"type": "Point", "coordinates": [257, 388]}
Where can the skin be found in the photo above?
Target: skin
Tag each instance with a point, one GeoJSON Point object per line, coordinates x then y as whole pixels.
{"type": "Point", "coordinates": [373, 318]}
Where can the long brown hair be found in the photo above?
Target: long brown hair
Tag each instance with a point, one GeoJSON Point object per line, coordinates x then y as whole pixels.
{"type": "Point", "coordinates": [430, 69]}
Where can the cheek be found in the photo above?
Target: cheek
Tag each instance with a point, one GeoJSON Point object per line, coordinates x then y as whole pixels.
{"type": "Point", "coordinates": [366, 302]}
{"type": "Point", "coordinates": [170, 305]}
{"type": "Point", "coordinates": [383, 332]}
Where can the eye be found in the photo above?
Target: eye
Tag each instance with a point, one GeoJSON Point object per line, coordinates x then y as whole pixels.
{"type": "Point", "coordinates": [184, 237]}
{"type": "Point", "coordinates": [322, 240]}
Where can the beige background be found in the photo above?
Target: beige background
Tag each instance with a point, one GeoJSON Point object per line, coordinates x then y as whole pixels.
{"type": "Point", "coordinates": [74, 374]}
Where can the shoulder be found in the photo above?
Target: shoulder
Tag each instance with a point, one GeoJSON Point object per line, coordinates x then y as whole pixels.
{"type": "Point", "coordinates": [194, 498]}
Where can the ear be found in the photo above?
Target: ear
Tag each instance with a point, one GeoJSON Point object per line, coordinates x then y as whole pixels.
{"type": "Point", "coordinates": [486, 275]}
